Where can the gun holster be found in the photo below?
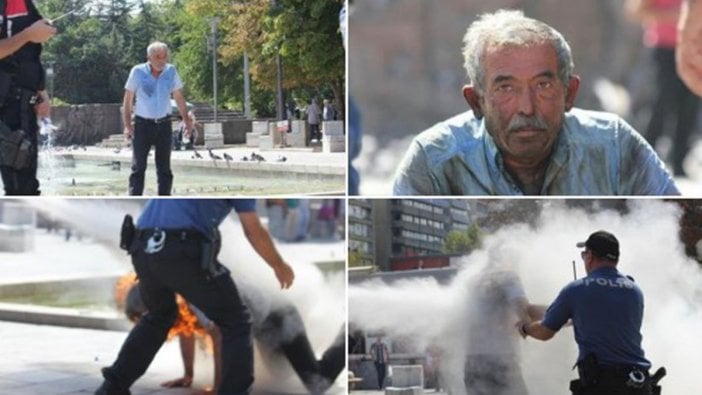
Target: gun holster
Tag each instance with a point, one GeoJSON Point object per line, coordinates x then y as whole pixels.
{"type": "Point", "coordinates": [16, 150]}
{"type": "Point", "coordinates": [6, 83]}
{"type": "Point", "coordinates": [126, 236]}
{"type": "Point", "coordinates": [576, 387]}
{"type": "Point", "coordinates": [209, 249]}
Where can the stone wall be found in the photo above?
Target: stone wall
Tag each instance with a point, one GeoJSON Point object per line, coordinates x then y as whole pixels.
{"type": "Point", "coordinates": [86, 124]}
{"type": "Point", "coordinates": [234, 131]}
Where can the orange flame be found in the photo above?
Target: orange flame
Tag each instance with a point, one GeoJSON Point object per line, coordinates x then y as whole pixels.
{"type": "Point", "coordinates": [186, 324]}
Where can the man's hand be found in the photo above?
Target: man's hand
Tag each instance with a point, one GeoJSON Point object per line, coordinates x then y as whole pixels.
{"type": "Point", "coordinates": [188, 125]}
{"type": "Point", "coordinates": [521, 328]}
{"type": "Point", "coordinates": [40, 31]}
{"type": "Point", "coordinates": [128, 131]}
{"type": "Point", "coordinates": [285, 275]}
{"type": "Point", "coordinates": [185, 381]}
{"type": "Point", "coordinates": [43, 108]}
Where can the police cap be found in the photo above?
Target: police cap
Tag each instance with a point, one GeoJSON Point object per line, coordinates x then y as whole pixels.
{"type": "Point", "coordinates": [603, 244]}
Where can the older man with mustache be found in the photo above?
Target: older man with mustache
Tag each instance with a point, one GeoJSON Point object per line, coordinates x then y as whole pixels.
{"type": "Point", "coordinates": [523, 136]}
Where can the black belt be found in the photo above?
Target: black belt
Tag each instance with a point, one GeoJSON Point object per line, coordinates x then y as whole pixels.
{"type": "Point", "coordinates": [167, 118]}
{"type": "Point", "coordinates": [620, 371]}
{"type": "Point", "coordinates": [171, 234]}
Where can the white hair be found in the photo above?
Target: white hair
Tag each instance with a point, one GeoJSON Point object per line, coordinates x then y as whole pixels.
{"type": "Point", "coordinates": [156, 46]}
{"type": "Point", "coordinates": [510, 28]}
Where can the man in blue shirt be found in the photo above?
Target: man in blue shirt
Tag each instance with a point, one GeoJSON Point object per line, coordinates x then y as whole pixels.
{"type": "Point", "coordinates": [606, 309]}
{"type": "Point", "coordinates": [153, 83]}
{"type": "Point", "coordinates": [174, 251]}
{"type": "Point", "coordinates": [523, 136]}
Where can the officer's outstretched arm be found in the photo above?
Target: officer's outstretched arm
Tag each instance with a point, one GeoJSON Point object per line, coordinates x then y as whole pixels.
{"type": "Point", "coordinates": [537, 311]}
{"type": "Point", "coordinates": [39, 32]}
{"type": "Point", "coordinates": [261, 241]}
{"type": "Point", "coordinates": [535, 329]}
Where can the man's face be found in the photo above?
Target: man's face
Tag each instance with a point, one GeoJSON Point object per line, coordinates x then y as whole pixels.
{"type": "Point", "coordinates": [158, 59]}
{"type": "Point", "coordinates": [524, 101]}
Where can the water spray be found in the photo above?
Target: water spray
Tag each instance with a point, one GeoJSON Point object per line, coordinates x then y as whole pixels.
{"type": "Point", "coordinates": [71, 12]}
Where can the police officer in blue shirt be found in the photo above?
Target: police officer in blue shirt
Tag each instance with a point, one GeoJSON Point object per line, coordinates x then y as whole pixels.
{"type": "Point", "coordinates": [173, 250]}
{"type": "Point", "coordinates": [606, 309]}
{"type": "Point", "coordinates": [153, 83]}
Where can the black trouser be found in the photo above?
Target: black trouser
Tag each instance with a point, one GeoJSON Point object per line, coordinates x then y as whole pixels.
{"type": "Point", "coordinates": [493, 375]}
{"type": "Point", "coordinates": [317, 375]}
{"type": "Point", "coordinates": [176, 268]}
{"type": "Point", "coordinates": [18, 113]}
{"type": "Point", "coordinates": [147, 134]}
{"type": "Point", "coordinates": [315, 134]}
{"type": "Point", "coordinates": [673, 102]}
{"type": "Point", "coordinates": [381, 368]}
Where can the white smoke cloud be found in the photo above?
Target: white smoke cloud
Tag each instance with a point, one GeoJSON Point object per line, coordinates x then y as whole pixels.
{"type": "Point", "coordinates": [650, 252]}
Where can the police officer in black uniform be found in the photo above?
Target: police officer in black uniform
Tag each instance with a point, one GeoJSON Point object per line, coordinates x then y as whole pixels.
{"type": "Point", "coordinates": [606, 308]}
{"type": "Point", "coordinates": [22, 94]}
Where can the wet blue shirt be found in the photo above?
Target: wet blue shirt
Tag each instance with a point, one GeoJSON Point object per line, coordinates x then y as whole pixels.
{"type": "Point", "coordinates": [200, 214]}
{"type": "Point", "coordinates": [153, 94]}
{"type": "Point", "coordinates": [596, 153]}
{"type": "Point", "coordinates": [607, 310]}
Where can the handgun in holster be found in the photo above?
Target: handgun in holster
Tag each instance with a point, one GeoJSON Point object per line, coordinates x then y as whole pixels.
{"type": "Point", "coordinates": [209, 249]}
{"type": "Point", "coordinates": [126, 236]}
{"type": "Point", "coordinates": [16, 150]}
{"type": "Point", "coordinates": [655, 378]}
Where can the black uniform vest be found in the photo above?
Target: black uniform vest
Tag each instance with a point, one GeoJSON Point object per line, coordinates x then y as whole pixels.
{"type": "Point", "coordinates": [25, 64]}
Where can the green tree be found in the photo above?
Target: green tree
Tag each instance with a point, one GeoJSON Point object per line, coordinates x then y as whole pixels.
{"type": "Point", "coordinates": [306, 33]}
{"type": "Point", "coordinates": [461, 242]}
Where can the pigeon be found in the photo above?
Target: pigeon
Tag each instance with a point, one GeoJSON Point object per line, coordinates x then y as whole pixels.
{"type": "Point", "coordinates": [281, 158]}
{"type": "Point", "coordinates": [117, 150]}
{"type": "Point", "coordinates": [227, 157]}
{"type": "Point", "coordinates": [244, 159]}
{"type": "Point", "coordinates": [257, 158]}
{"type": "Point", "coordinates": [196, 154]}
{"type": "Point", "coordinates": [213, 155]}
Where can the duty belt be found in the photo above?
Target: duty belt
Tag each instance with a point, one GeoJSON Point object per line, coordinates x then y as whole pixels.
{"type": "Point", "coordinates": [170, 234]}
{"type": "Point", "coordinates": [167, 118]}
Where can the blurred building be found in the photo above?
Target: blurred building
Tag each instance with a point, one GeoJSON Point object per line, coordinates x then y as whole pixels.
{"type": "Point", "coordinates": [380, 229]}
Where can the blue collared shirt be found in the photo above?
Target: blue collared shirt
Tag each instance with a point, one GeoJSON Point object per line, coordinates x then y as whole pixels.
{"type": "Point", "coordinates": [607, 310]}
{"type": "Point", "coordinates": [596, 153]}
{"type": "Point", "coordinates": [200, 214]}
{"type": "Point", "coordinates": [153, 94]}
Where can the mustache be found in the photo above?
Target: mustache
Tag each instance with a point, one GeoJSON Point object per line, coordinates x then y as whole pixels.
{"type": "Point", "coordinates": [523, 122]}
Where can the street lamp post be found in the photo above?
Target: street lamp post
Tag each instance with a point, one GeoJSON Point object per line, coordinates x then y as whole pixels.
{"type": "Point", "coordinates": [247, 88]}
{"type": "Point", "coordinates": [278, 75]}
{"type": "Point", "coordinates": [279, 83]}
{"type": "Point", "coordinates": [213, 24]}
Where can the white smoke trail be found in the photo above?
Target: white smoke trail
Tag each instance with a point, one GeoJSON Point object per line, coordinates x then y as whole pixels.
{"type": "Point", "coordinates": [651, 253]}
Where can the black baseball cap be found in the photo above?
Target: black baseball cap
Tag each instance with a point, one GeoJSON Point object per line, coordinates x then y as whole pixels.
{"type": "Point", "coordinates": [603, 244]}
